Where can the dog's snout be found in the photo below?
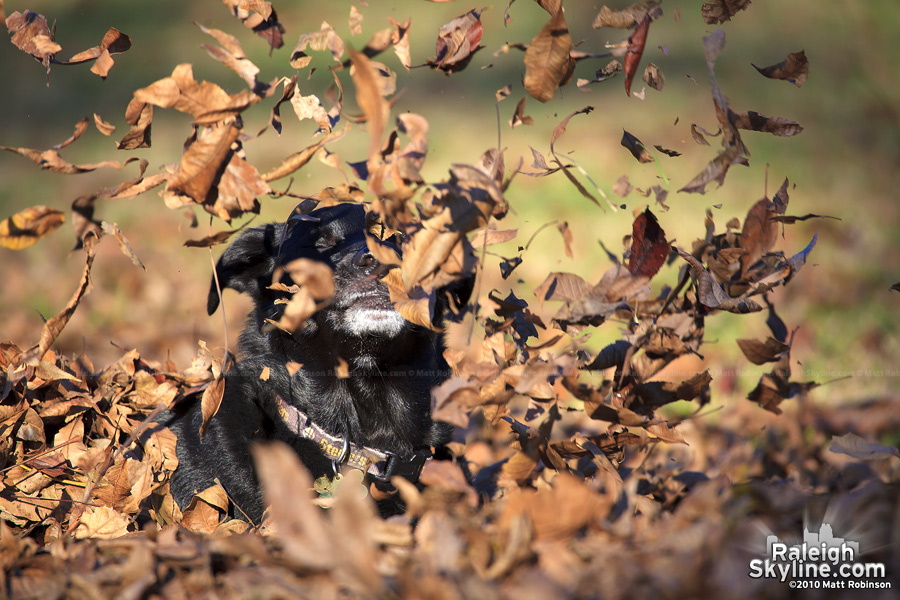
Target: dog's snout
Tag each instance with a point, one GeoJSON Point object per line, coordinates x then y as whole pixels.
{"type": "Point", "coordinates": [364, 259]}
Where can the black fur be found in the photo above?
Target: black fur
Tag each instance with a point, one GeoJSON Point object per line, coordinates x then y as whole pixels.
{"type": "Point", "coordinates": [385, 403]}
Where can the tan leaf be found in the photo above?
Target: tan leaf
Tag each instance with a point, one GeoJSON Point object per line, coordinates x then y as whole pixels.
{"type": "Point", "coordinates": [210, 402]}
{"type": "Point", "coordinates": [27, 226]}
{"type": "Point", "coordinates": [101, 522]}
{"type": "Point", "coordinates": [547, 62]}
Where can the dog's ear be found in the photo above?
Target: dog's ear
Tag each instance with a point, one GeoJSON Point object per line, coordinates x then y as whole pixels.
{"type": "Point", "coordinates": [248, 263]}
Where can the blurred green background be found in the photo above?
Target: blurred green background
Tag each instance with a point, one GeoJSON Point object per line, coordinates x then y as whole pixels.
{"type": "Point", "coordinates": [845, 164]}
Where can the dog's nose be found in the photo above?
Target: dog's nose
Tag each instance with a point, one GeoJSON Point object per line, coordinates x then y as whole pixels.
{"type": "Point", "coordinates": [364, 259]}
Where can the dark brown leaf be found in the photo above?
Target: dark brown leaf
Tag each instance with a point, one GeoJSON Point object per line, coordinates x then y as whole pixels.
{"type": "Point", "coordinates": [760, 353]}
{"type": "Point", "coordinates": [759, 233]}
{"type": "Point", "coordinates": [754, 121]}
{"type": "Point", "coordinates": [649, 248]}
{"type": "Point", "coordinates": [636, 147]}
{"type": "Point", "coordinates": [795, 68]}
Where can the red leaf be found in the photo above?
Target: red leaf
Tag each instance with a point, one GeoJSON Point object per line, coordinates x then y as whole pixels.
{"type": "Point", "coordinates": [635, 50]}
{"type": "Point", "coordinates": [649, 248]}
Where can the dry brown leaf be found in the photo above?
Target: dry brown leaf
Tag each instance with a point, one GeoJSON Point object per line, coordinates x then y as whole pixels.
{"type": "Point", "coordinates": [627, 18]}
{"type": "Point", "coordinates": [547, 62]}
{"type": "Point", "coordinates": [27, 226]}
{"type": "Point", "coordinates": [260, 17]}
{"type": "Point", "coordinates": [719, 11]}
{"type": "Point", "coordinates": [795, 69]}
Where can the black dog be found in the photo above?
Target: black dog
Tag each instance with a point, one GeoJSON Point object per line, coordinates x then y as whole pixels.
{"type": "Point", "coordinates": [377, 419]}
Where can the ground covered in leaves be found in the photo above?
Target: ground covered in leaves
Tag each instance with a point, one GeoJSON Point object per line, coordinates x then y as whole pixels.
{"type": "Point", "coordinates": [581, 472]}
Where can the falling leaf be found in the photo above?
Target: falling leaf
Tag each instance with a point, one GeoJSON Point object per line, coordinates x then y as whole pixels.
{"type": "Point", "coordinates": [857, 447]}
{"type": "Point", "coordinates": [649, 248]}
{"type": "Point", "coordinates": [31, 34]}
{"type": "Point", "coordinates": [635, 50]}
{"type": "Point", "coordinates": [759, 233]}
{"type": "Point", "coordinates": [567, 237]}
{"type": "Point", "coordinates": [232, 56]}
{"type": "Point", "coordinates": [260, 17]}
{"type": "Point", "coordinates": [760, 353]}
{"type": "Point", "coordinates": [547, 62]}
{"type": "Point", "coordinates": [629, 17]}
{"type": "Point", "coordinates": [54, 326]}
{"type": "Point", "coordinates": [113, 230]}
{"type": "Point", "coordinates": [795, 69]}
{"type": "Point", "coordinates": [520, 118]}
{"type": "Point", "coordinates": [113, 42]}
{"type": "Point", "coordinates": [27, 226]}
{"type": "Point", "coordinates": [622, 187]}
{"type": "Point", "coordinates": [370, 100]}
{"type": "Point", "coordinates": [719, 11]}
{"type": "Point", "coordinates": [698, 137]}
{"type": "Point", "coordinates": [636, 147]}
{"type": "Point", "coordinates": [503, 93]}
{"type": "Point", "coordinates": [711, 293]}
{"type": "Point", "coordinates": [400, 41]}
{"type": "Point", "coordinates": [457, 42]}
{"type": "Point", "coordinates": [324, 39]}
{"type": "Point", "coordinates": [355, 20]}
{"type": "Point", "coordinates": [654, 77]}
{"type": "Point", "coordinates": [667, 152]}
{"type": "Point", "coordinates": [756, 122]}
{"type": "Point", "coordinates": [102, 126]}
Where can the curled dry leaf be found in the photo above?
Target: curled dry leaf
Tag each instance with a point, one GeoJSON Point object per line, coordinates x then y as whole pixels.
{"type": "Point", "coordinates": [27, 226]}
{"type": "Point", "coordinates": [457, 42]}
{"type": "Point", "coordinates": [30, 33]}
{"type": "Point", "coordinates": [548, 64]}
{"type": "Point", "coordinates": [54, 326]}
{"type": "Point", "coordinates": [324, 39]}
{"type": "Point", "coordinates": [400, 41]}
{"type": "Point", "coordinates": [755, 121]}
{"type": "Point", "coordinates": [794, 68]}
{"type": "Point", "coordinates": [519, 117]}
{"type": "Point", "coordinates": [654, 77]}
{"type": "Point", "coordinates": [719, 11]}
{"type": "Point", "coordinates": [629, 17]}
{"type": "Point", "coordinates": [711, 293]}
{"type": "Point", "coordinates": [636, 147]}
{"type": "Point", "coordinates": [260, 17]}
{"type": "Point", "coordinates": [231, 54]}
{"type": "Point", "coordinates": [370, 99]}
{"type": "Point", "coordinates": [102, 126]}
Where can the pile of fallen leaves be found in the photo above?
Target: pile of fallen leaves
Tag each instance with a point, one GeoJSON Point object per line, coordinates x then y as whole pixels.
{"type": "Point", "coordinates": [575, 478]}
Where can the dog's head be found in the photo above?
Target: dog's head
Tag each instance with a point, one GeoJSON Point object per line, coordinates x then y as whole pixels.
{"type": "Point", "coordinates": [335, 235]}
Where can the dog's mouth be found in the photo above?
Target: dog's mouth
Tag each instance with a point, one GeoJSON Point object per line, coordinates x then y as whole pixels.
{"type": "Point", "coordinates": [366, 310]}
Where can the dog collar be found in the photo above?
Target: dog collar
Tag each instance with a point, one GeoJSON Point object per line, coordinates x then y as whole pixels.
{"type": "Point", "coordinates": [380, 464]}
